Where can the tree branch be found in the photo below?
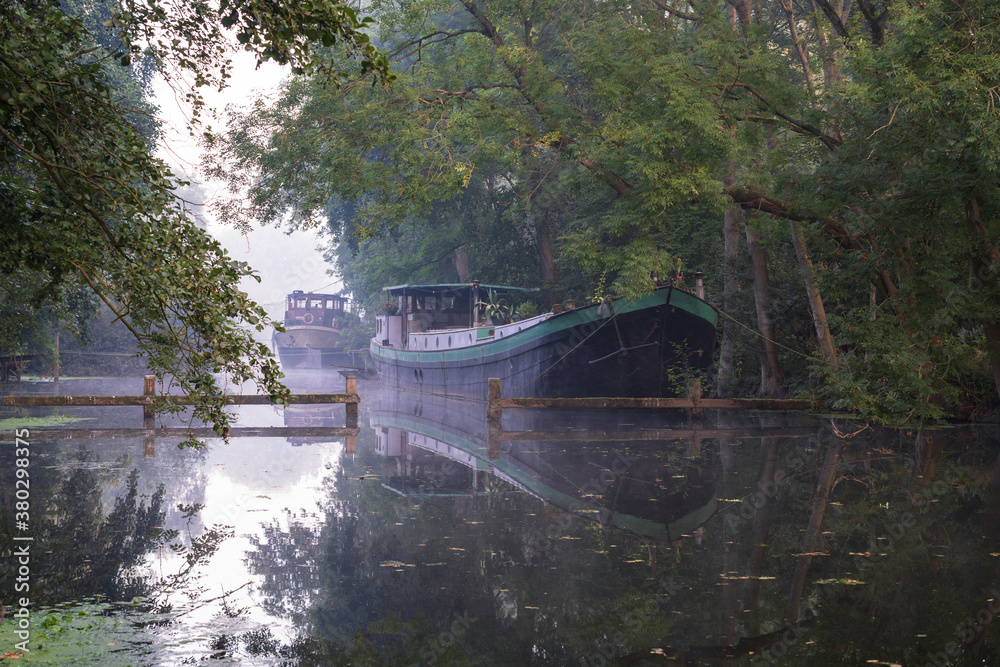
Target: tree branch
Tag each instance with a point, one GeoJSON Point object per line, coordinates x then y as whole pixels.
{"type": "Point", "coordinates": [875, 23]}
{"type": "Point", "coordinates": [675, 12]}
{"type": "Point", "coordinates": [797, 125]}
{"type": "Point", "coordinates": [438, 36]}
{"type": "Point", "coordinates": [831, 13]}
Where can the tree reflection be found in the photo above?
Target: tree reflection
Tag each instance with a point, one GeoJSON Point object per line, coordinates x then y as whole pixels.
{"type": "Point", "coordinates": [832, 551]}
{"type": "Point", "coordinates": [491, 576]}
{"type": "Point", "coordinates": [78, 551]}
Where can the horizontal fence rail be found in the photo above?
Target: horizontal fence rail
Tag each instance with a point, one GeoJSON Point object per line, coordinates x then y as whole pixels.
{"type": "Point", "coordinates": [685, 403]}
{"type": "Point", "coordinates": [149, 400]}
{"type": "Point", "coordinates": [693, 402]}
{"type": "Point", "coordinates": [652, 434]}
{"type": "Point", "coordinates": [145, 400]}
{"type": "Point", "coordinates": [235, 432]}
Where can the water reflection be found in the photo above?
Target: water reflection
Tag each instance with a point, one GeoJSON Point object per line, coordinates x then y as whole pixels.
{"type": "Point", "coordinates": [658, 488]}
{"type": "Point", "coordinates": [565, 539]}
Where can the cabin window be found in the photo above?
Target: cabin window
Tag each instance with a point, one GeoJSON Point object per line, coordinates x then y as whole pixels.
{"type": "Point", "coordinates": [331, 304]}
{"type": "Point", "coordinates": [300, 302]}
{"type": "Point", "coordinates": [315, 303]}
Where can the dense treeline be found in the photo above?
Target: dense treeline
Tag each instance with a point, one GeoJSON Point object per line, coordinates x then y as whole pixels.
{"type": "Point", "coordinates": [831, 167]}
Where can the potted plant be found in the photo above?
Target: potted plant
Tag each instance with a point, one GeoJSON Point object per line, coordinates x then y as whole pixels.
{"type": "Point", "coordinates": [495, 310]}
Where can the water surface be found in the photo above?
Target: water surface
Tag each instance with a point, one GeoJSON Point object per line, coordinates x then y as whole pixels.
{"type": "Point", "coordinates": [573, 538]}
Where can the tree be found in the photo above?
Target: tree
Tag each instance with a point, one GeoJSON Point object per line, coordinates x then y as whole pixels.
{"type": "Point", "coordinates": [879, 170]}
{"type": "Point", "coordinates": [87, 203]}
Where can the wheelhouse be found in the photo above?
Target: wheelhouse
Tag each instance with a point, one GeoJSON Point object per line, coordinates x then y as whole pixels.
{"type": "Point", "coordinates": [309, 309]}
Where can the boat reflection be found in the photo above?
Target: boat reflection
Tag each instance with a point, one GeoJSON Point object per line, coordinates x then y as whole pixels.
{"type": "Point", "coordinates": [654, 487]}
{"type": "Point", "coordinates": [320, 416]}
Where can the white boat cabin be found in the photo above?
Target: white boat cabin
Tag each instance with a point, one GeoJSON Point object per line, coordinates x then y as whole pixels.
{"type": "Point", "coordinates": [444, 316]}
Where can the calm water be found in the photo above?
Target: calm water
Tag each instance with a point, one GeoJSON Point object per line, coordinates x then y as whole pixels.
{"type": "Point", "coordinates": [573, 538]}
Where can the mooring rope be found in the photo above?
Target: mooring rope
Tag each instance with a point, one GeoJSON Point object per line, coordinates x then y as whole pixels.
{"type": "Point", "coordinates": [568, 352]}
{"type": "Point", "coordinates": [759, 334]}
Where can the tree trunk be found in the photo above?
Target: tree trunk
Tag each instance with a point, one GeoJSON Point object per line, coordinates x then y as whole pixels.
{"type": "Point", "coordinates": [793, 32]}
{"type": "Point", "coordinates": [816, 306]}
{"type": "Point", "coordinates": [761, 528]}
{"type": "Point", "coordinates": [462, 263]}
{"type": "Point", "coordinates": [546, 261]}
{"type": "Point", "coordinates": [771, 376]}
{"type": "Point", "coordinates": [811, 541]}
{"type": "Point", "coordinates": [988, 267]}
{"type": "Point", "coordinates": [731, 240]}
{"type": "Point", "coordinates": [831, 52]}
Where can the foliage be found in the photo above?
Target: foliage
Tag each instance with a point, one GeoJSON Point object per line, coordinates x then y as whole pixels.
{"type": "Point", "coordinates": [526, 311]}
{"type": "Point", "coordinates": [616, 135]}
{"type": "Point", "coordinates": [356, 332]}
{"type": "Point", "coordinates": [89, 206]}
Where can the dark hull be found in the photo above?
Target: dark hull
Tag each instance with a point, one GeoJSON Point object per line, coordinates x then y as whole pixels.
{"type": "Point", "coordinates": [648, 348]}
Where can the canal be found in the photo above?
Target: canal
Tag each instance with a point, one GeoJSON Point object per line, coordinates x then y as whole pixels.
{"type": "Point", "coordinates": [590, 538]}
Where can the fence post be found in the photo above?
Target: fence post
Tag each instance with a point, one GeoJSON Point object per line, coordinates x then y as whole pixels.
{"type": "Point", "coordinates": [149, 391]}
{"type": "Point", "coordinates": [352, 408]}
{"type": "Point", "coordinates": [694, 393]}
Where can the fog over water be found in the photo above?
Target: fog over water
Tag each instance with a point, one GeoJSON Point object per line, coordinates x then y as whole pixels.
{"type": "Point", "coordinates": [284, 262]}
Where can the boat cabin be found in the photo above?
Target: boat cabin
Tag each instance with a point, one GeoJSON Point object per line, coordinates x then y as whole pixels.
{"type": "Point", "coordinates": [306, 308]}
{"type": "Point", "coordinates": [415, 309]}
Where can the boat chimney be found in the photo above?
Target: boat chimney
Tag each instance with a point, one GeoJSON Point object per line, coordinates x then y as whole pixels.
{"type": "Point", "coordinates": [699, 284]}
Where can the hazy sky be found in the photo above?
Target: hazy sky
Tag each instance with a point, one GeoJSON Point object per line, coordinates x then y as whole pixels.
{"type": "Point", "coordinates": [284, 262]}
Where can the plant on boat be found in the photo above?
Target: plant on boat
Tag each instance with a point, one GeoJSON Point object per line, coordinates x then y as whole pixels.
{"type": "Point", "coordinates": [495, 309]}
{"type": "Point", "coordinates": [391, 308]}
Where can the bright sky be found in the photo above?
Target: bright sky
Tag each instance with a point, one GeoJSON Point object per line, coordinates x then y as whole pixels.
{"type": "Point", "coordinates": [245, 491]}
{"type": "Point", "coordinates": [284, 262]}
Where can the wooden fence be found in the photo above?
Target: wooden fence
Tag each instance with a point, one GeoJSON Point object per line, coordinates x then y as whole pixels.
{"type": "Point", "coordinates": [149, 398]}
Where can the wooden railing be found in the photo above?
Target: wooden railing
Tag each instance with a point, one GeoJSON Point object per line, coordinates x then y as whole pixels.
{"type": "Point", "coordinates": [148, 401]}
{"type": "Point", "coordinates": [693, 404]}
